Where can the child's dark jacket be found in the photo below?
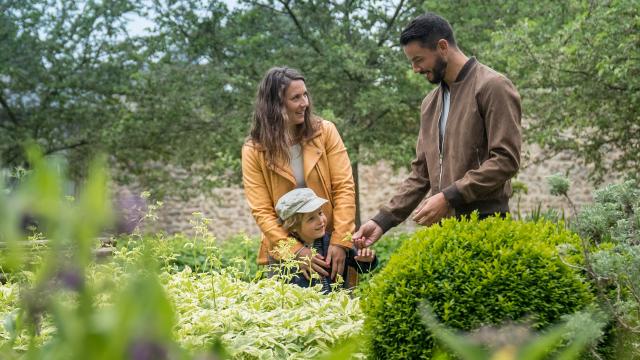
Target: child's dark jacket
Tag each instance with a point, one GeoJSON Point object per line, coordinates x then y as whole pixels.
{"type": "Point", "coordinates": [351, 269]}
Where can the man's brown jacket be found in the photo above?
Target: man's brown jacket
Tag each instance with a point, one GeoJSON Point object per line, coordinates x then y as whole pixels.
{"type": "Point", "coordinates": [481, 148]}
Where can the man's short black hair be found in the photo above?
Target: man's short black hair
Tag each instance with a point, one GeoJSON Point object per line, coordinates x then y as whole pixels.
{"type": "Point", "coordinates": [428, 29]}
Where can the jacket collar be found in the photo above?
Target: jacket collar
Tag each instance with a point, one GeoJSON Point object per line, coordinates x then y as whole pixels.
{"type": "Point", "coordinates": [466, 68]}
{"type": "Point", "coordinates": [312, 151]}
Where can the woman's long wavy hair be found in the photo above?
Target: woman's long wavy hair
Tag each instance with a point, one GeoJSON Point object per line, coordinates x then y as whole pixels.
{"type": "Point", "coordinates": [270, 117]}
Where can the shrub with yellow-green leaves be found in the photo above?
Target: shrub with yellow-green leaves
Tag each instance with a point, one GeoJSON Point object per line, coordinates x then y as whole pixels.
{"type": "Point", "coordinates": [144, 301]}
{"type": "Point", "coordinates": [258, 319]}
{"type": "Point", "coordinates": [263, 319]}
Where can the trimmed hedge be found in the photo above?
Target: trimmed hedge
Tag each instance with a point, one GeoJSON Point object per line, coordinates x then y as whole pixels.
{"type": "Point", "coordinates": [472, 273]}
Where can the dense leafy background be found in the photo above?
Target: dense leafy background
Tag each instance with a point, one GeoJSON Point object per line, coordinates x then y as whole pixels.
{"type": "Point", "coordinates": [178, 97]}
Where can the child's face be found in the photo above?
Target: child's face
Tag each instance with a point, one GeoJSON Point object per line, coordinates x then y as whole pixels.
{"type": "Point", "coordinates": [313, 226]}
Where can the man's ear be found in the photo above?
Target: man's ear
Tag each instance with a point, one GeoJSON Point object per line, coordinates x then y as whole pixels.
{"type": "Point", "coordinates": [443, 46]}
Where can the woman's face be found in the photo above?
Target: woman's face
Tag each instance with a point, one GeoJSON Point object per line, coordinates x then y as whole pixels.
{"type": "Point", "coordinates": [313, 226]}
{"type": "Point", "coordinates": [296, 102]}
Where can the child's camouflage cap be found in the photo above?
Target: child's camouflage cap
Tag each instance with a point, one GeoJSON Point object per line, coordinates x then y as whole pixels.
{"type": "Point", "coordinates": [301, 200]}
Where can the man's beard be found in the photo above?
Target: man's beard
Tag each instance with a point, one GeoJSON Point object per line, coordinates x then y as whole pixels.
{"type": "Point", "coordinates": [438, 71]}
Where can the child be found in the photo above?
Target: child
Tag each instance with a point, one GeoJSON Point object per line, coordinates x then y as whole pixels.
{"type": "Point", "coordinates": [300, 211]}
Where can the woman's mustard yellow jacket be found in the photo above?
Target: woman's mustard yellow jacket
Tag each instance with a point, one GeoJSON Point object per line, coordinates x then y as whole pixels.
{"type": "Point", "coordinates": [327, 171]}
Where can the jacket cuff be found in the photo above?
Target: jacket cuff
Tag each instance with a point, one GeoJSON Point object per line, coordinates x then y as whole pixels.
{"type": "Point", "coordinates": [453, 196]}
{"type": "Point", "coordinates": [384, 220]}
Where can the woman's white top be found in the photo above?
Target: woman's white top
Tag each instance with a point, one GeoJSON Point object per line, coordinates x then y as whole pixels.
{"type": "Point", "coordinates": [297, 165]}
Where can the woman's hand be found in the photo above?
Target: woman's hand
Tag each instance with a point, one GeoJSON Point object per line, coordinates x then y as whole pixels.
{"type": "Point", "coordinates": [365, 255]}
{"type": "Point", "coordinates": [336, 256]}
{"type": "Point", "coordinates": [309, 263]}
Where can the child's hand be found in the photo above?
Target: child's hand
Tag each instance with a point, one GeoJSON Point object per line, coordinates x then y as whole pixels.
{"type": "Point", "coordinates": [365, 255]}
{"type": "Point", "coordinates": [308, 264]}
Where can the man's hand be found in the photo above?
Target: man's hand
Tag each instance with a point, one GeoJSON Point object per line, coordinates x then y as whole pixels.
{"type": "Point", "coordinates": [434, 209]}
{"type": "Point", "coordinates": [336, 256]}
{"type": "Point", "coordinates": [368, 234]}
{"type": "Point", "coordinates": [317, 263]}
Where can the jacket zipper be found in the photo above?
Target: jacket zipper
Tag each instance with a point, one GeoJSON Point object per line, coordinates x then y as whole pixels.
{"type": "Point", "coordinates": [441, 148]}
{"type": "Point", "coordinates": [478, 157]}
{"type": "Point", "coordinates": [440, 177]}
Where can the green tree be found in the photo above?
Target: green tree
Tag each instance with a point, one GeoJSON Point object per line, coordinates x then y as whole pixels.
{"type": "Point", "coordinates": [63, 69]}
{"type": "Point", "coordinates": [75, 81]}
{"type": "Point", "coordinates": [580, 82]}
{"type": "Point", "coordinates": [188, 121]}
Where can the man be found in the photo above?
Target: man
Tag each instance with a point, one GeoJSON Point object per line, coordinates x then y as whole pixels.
{"type": "Point", "coordinates": [469, 142]}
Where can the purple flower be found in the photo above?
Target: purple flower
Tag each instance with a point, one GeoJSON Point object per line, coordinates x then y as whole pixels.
{"type": "Point", "coordinates": [71, 278]}
{"type": "Point", "coordinates": [147, 350]}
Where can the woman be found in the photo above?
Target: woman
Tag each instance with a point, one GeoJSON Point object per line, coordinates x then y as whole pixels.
{"type": "Point", "coordinates": [287, 148]}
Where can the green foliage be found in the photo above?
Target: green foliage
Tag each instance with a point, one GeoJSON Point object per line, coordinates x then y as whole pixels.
{"type": "Point", "coordinates": [549, 214]}
{"type": "Point", "coordinates": [559, 184]}
{"type": "Point", "coordinates": [263, 318]}
{"type": "Point", "coordinates": [75, 81]}
{"type": "Point", "coordinates": [519, 188]}
{"type": "Point", "coordinates": [241, 251]}
{"type": "Point", "coordinates": [472, 273]}
{"type": "Point", "coordinates": [237, 252]}
{"type": "Point", "coordinates": [179, 251]}
{"type": "Point", "coordinates": [384, 248]}
{"type": "Point", "coordinates": [611, 229]}
{"type": "Point", "coordinates": [580, 90]}
{"type": "Point", "coordinates": [560, 187]}
{"type": "Point", "coordinates": [190, 108]}
{"type": "Point", "coordinates": [387, 245]}
{"type": "Point", "coordinates": [613, 217]}
{"type": "Point", "coordinates": [258, 319]}
{"type": "Point", "coordinates": [255, 318]}
{"type": "Point", "coordinates": [138, 304]}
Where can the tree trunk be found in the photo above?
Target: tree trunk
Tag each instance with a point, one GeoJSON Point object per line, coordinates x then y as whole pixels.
{"type": "Point", "coordinates": [356, 180]}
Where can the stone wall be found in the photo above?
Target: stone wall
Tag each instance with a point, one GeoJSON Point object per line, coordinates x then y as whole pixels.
{"type": "Point", "coordinates": [230, 214]}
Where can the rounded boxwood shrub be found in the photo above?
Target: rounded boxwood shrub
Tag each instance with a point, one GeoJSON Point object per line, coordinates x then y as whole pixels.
{"type": "Point", "coordinates": [472, 273]}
